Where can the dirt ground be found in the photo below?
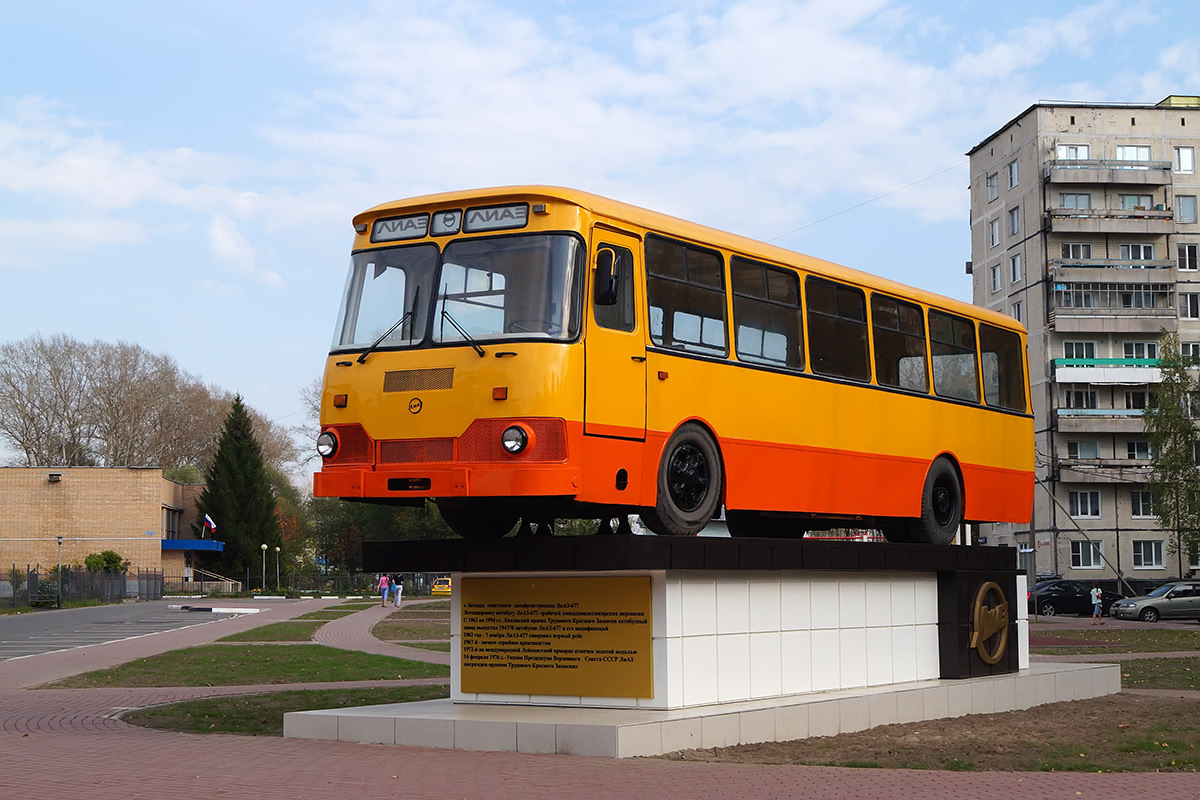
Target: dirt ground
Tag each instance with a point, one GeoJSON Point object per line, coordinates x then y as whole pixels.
{"type": "Point", "coordinates": [1123, 732]}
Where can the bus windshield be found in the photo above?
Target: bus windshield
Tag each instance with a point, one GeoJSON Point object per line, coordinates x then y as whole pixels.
{"type": "Point", "coordinates": [512, 287]}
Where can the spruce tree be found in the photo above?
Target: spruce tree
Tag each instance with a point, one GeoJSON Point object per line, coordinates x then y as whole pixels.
{"type": "Point", "coordinates": [239, 498]}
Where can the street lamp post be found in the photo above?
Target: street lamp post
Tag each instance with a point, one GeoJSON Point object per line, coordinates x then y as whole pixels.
{"type": "Point", "coordinates": [277, 568]}
{"type": "Point", "coordinates": [264, 571]}
{"type": "Point", "coordinates": [58, 597]}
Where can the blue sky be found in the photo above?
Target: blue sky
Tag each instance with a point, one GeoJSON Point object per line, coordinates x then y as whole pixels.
{"type": "Point", "coordinates": [182, 175]}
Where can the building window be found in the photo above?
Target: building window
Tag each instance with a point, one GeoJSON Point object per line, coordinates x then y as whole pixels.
{"type": "Point", "coordinates": [1137, 399]}
{"type": "Point", "coordinates": [1076, 250]}
{"type": "Point", "coordinates": [993, 233]}
{"type": "Point", "coordinates": [1138, 449]}
{"type": "Point", "coordinates": [1072, 152]}
{"type": "Point", "coordinates": [1014, 268]}
{"type": "Point", "coordinates": [1014, 219]}
{"type": "Point", "coordinates": [1077, 200]}
{"type": "Point", "coordinates": [995, 273]}
{"type": "Point", "coordinates": [1141, 349]}
{"type": "Point", "coordinates": [993, 186]}
{"type": "Point", "coordinates": [1189, 255]}
{"type": "Point", "coordinates": [1133, 152]}
{"type": "Point", "coordinates": [1137, 252]}
{"type": "Point", "coordinates": [1086, 555]}
{"type": "Point", "coordinates": [1190, 351]}
{"type": "Point", "coordinates": [1080, 398]}
{"type": "Point", "coordinates": [1185, 159]}
{"type": "Point", "coordinates": [1135, 202]}
{"type": "Point", "coordinates": [1147, 554]}
{"type": "Point", "coordinates": [172, 518]}
{"type": "Point", "coordinates": [1079, 349]}
{"type": "Point", "coordinates": [1189, 305]}
{"type": "Point", "coordinates": [1011, 171]}
{"type": "Point", "coordinates": [1142, 503]}
{"type": "Point", "coordinates": [1086, 449]}
{"type": "Point", "coordinates": [1017, 312]}
{"type": "Point", "coordinates": [1185, 208]}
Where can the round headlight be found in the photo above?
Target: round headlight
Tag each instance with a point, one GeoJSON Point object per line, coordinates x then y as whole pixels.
{"type": "Point", "coordinates": [326, 444]}
{"type": "Point", "coordinates": [514, 439]}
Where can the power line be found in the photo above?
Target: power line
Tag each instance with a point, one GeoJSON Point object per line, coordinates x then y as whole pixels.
{"type": "Point", "coordinates": [868, 202]}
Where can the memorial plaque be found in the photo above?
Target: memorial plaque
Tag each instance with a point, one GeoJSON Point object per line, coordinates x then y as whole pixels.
{"type": "Point", "coordinates": [586, 636]}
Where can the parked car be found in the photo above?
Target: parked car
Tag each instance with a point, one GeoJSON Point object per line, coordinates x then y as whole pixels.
{"type": "Point", "coordinates": [441, 586]}
{"type": "Point", "coordinates": [1176, 600]}
{"type": "Point", "coordinates": [1068, 597]}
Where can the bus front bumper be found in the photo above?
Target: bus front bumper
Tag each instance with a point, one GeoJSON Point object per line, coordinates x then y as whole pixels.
{"type": "Point", "coordinates": [457, 481]}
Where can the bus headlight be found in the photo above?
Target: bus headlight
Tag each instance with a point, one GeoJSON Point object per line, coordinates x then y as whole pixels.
{"type": "Point", "coordinates": [514, 439]}
{"type": "Point", "coordinates": [327, 444]}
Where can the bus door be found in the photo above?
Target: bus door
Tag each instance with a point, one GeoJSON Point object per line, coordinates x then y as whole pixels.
{"type": "Point", "coordinates": [615, 349]}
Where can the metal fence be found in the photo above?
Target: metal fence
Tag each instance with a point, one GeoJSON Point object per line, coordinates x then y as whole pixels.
{"type": "Point", "coordinates": [291, 583]}
{"type": "Point", "coordinates": [35, 585]}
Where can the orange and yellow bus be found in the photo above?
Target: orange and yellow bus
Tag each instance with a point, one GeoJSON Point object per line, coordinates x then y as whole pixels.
{"type": "Point", "coordinates": [535, 353]}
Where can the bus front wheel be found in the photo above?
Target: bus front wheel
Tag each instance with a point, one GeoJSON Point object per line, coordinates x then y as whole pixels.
{"type": "Point", "coordinates": [476, 519]}
{"type": "Point", "coordinates": [689, 483]}
{"type": "Point", "coordinates": [941, 505]}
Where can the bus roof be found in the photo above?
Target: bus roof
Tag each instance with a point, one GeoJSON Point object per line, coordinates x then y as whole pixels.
{"type": "Point", "coordinates": [642, 217]}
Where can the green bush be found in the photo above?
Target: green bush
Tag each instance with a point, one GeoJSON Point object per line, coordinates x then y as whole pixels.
{"type": "Point", "coordinates": [105, 561]}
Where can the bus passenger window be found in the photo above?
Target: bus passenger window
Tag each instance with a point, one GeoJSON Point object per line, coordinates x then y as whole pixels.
{"type": "Point", "coordinates": [1003, 370]}
{"type": "Point", "coordinates": [837, 329]}
{"type": "Point", "coordinates": [687, 297]}
{"type": "Point", "coordinates": [766, 315]}
{"type": "Point", "coordinates": [899, 329]}
{"type": "Point", "coordinates": [952, 345]}
{"type": "Point", "coordinates": [619, 315]}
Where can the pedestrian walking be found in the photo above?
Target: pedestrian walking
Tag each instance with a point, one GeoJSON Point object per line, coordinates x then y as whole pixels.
{"type": "Point", "coordinates": [397, 587]}
{"type": "Point", "coordinates": [384, 584]}
{"type": "Point", "coordinates": [1097, 605]}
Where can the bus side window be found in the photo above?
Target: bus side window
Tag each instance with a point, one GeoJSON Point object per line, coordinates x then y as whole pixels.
{"type": "Point", "coordinates": [618, 314]}
{"type": "Point", "coordinates": [686, 292]}
{"type": "Point", "coordinates": [899, 329]}
{"type": "Point", "coordinates": [952, 345]}
{"type": "Point", "coordinates": [766, 314]}
{"type": "Point", "coordinates": [837, 329]}
{"type": "Point", "coordinates": [1003, 370]}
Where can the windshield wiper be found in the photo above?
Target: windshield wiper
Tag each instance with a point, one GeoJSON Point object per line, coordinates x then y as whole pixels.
{"type": "Point", "coordinates": [461, 332]}
{"type": "Point", "coordinates": [362, 359]}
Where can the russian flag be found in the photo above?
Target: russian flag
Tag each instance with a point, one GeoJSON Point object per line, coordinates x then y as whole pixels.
{"type": "Point", "coordinates": [209, 525]}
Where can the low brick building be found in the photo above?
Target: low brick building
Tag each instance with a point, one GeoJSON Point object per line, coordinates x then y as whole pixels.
{"type": "Point", "coordinates": [133, 511]}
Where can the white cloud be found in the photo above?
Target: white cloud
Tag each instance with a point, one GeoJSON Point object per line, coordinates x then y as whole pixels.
{"type": "Point", "coordinates": [227, 244]}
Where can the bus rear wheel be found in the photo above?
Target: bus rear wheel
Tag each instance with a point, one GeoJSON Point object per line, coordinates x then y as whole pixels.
{"type": "Point", "coordinates": [477, 519]}
{"type": "Point", "coordinates": [689, 483]}
{"type": "Point", "coordinates": [941, 505]}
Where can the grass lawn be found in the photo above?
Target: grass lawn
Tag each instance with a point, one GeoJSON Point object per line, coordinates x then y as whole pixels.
{"type": "Point", "coordinates": [262, 714]}
{"type": "Point", "coordinates": [1114, 640]}
{"type": "Point", "coordinates": [328, 614]}
{"type": "Point", "coordinates": [403, 631]}
{"type": "Point", "coordinates": [223, 665]}
{"type": "Point", "coordinates": [291, 631]}
{"type": "Point", "coordinates": [441, 647]}
{"type": "Point", "coordinates": [1161, 673]}
{"type": "Point", "coordinates": [420, 613]}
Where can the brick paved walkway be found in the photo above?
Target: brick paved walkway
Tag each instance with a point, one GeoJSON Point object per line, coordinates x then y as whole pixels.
{"type": "Point", "coordinates": [69, 741]}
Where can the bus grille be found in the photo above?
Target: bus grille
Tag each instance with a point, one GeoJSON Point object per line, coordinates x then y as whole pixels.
{"type": "Point", "coordinates": [418, 380]}
{"type": "Point", "coordinates": [354, 446]}
{"type": "Point", "coordinates": [481, 441]}
{"type": "Point", "coordinates": [416, 451]}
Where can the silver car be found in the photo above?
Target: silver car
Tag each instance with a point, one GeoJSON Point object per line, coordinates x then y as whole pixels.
{"type": "Point", "coordinates": [1179, 600]}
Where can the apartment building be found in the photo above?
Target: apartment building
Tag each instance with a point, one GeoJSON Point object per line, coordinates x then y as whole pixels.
{"type": "Point", "coordinates": [1084, 227]}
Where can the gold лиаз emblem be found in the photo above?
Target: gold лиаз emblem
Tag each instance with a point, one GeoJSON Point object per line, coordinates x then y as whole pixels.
{"type": "Point", "coordinates": [989, 634]}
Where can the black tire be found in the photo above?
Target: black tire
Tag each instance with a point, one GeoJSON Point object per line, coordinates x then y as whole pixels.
{"type": "Point", "coordinates": [477, 519]}
{"type": "Point", "coordinates": [1149, 615]}
{"type": "Point", "coordinates": [1047, 609]}
{"type": "Point", "coordinates": [896, 533]}
{"type": "Point", "coordinates": [689, 483]}
{"type": "Point", "coordinates": [941, 505]}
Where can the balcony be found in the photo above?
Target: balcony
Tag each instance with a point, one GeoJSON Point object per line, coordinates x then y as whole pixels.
{"type": "Point", "coordinates": [1098, 270]}
{"type": "Point", "coordinates": [1103, 171]}
{"type": "Point", "coordinates": [1125, 371]}
{"type": "Point", "coordinates": [1099, 420]}
{"type": "Point", "coordinates": [1158, 221]}
{"type": "Point", "coordinates": [1103, 470]}
{"type": "Point", "coordinates": [1104, 307]}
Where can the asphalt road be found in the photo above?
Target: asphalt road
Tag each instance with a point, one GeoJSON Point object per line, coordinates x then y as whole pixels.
{"type": "Point", "coordinates": [53, 630]}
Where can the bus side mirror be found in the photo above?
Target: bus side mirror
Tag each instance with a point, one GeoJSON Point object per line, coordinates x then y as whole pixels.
{"type": "Point", "coordinates": [607, 278]}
